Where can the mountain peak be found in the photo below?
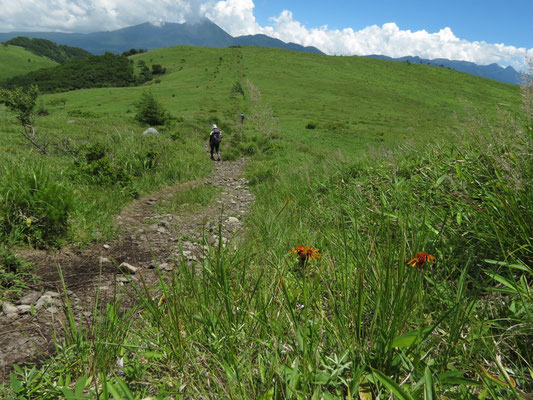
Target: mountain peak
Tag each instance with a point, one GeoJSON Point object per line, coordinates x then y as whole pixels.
{"type": "Point", "coordinates": [200, 32]}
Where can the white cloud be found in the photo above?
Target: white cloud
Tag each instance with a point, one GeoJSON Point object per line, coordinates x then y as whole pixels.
{"type": "Point", "coordinates": [237, 18]}
{"type": "Point", "coordinates": [91, 15]}
{"type": "Point", "coordinates": [234, 16]}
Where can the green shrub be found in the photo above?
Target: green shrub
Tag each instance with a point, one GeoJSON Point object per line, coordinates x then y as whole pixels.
{"type": "Point", "coordinates": [311, 125]}
{"type": "Point", "coordinates": [96, 162]}
{"type": "Point", "coordinates": [150, 111]}
{"type": "Point", "coordinates": [158, 69]}
{"type": "Point", "coordinates": [81, 114]}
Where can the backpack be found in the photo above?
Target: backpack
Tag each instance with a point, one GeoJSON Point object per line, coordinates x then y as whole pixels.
{"type": "Point", "coordinates": [216, 137]}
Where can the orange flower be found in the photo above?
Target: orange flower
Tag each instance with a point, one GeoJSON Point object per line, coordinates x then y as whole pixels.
{"type": "Point", "coordinates": [306, 252]}
{"type": "Point", "coordinates": [299, 249]}
{"type": "Point", "coordinates": [287, 200]}
{"type": "Point", "coordinates": [420, 260]}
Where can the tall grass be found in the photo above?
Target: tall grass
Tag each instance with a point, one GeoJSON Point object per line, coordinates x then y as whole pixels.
{"type": "Point", "coordinates": [253, 322]}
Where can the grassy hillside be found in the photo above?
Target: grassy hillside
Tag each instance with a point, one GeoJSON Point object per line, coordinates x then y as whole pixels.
{"type": "Point", "coordinates": [46, 48]}
{"type": "Point", "coordinates": [365, 101]}
{"type": "Point", "coordinates": [15, 60]}
{"type": "Point", "coordinates": [413, 182]}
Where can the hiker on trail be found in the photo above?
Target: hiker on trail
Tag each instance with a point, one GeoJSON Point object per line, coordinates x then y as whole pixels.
{"type": "Point", "coordinates": [214, 141]}
{"type": "Point", "coordinates": [242, 118]}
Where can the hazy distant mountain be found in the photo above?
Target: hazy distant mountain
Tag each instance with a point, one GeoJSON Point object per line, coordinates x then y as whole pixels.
{"type": "Point", "coordinates": [492, 71]}
{"type": "Point", "coordinates": [148, 36]}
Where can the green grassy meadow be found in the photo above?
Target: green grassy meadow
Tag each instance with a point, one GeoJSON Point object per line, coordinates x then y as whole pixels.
{"type": "Point", "coordinates": [17, 60]}
{"type": "Point", "coordinates": [369, 161]}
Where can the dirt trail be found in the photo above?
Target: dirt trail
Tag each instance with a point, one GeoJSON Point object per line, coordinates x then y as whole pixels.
{"type": "Point", "coordinates": [26, 334]}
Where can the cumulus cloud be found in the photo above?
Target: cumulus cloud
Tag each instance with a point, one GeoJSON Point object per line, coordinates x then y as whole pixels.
{"type": "Point", "coordinates": [91, 15]}
{"type": "Point", "coordinates": [234, 16]}
{"type": "Point", "coordinates": [237, 18]}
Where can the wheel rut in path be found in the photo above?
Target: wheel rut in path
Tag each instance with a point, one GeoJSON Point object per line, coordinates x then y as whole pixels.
{"type": "Point", "coordinates": [26, 335]}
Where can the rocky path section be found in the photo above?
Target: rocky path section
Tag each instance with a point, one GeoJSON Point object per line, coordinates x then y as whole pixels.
{"type": "Point", "coordinates": [148, 238]}
{"type": "Point", "coordinates": [164, 234]}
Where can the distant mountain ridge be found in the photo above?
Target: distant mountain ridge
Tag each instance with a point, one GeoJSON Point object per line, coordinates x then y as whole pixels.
{"type": "Point", "coordinates": [208, 34]}
{"type": "Point", "coordinates": [492, 71]}
{"type": "Point", "coordinates": [149, 36]}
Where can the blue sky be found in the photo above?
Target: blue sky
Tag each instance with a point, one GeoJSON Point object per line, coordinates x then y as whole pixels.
{"type": "Point", "coordinates": [509, 22]}
{"type": "Point", "coordinates": [483, 32]}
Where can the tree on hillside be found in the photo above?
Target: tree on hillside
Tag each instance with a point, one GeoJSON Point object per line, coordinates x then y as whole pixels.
{"type": "Point", "coordinates": [22, 103]}
{"type": "Point", "coordinates": [158, 69]}
{"type": "Point", "coordinates": [132, 52]}
{"type": "Point", "coordinates": [144, 74]}
{"type": "Point", "coordinates": [150, 111]}
{"type": "Point", "coordinates": [108, 70]}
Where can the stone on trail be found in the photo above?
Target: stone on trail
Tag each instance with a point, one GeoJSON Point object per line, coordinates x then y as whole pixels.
{"type": "Point", "coordinates": [104, 261]}
{"type": "Point", "coordinates": [30, 298]}
{"type": "Point", "coordinates": [45, 300]}
{"type": "Point", "coordinates": [165, 267]}
{"type": "Point", "coordinates": [233, 220]}
{"type": "Point", "coordinates": [24, 308]}
{"type": "Point", "coordinates": [9, 308]}
{"type": "Point", "coordinates": [127, 268]}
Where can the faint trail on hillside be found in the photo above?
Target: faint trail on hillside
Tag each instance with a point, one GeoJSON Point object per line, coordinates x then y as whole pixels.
{"type": "Point", "coordinates": [262, 118]}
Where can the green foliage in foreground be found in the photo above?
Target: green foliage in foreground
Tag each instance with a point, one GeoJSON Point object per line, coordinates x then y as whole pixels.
{"type": "Point", "coordinates": [46, 48]}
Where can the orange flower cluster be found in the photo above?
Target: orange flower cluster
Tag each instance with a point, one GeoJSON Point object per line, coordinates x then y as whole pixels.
{"type": "Point", "coordinates": [420, 260]}
{"type": "Point", "coordinates": [306, 252]}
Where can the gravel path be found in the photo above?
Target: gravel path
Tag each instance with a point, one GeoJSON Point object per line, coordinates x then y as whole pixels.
{"type": "Point", "coordinates": [27, 326]}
